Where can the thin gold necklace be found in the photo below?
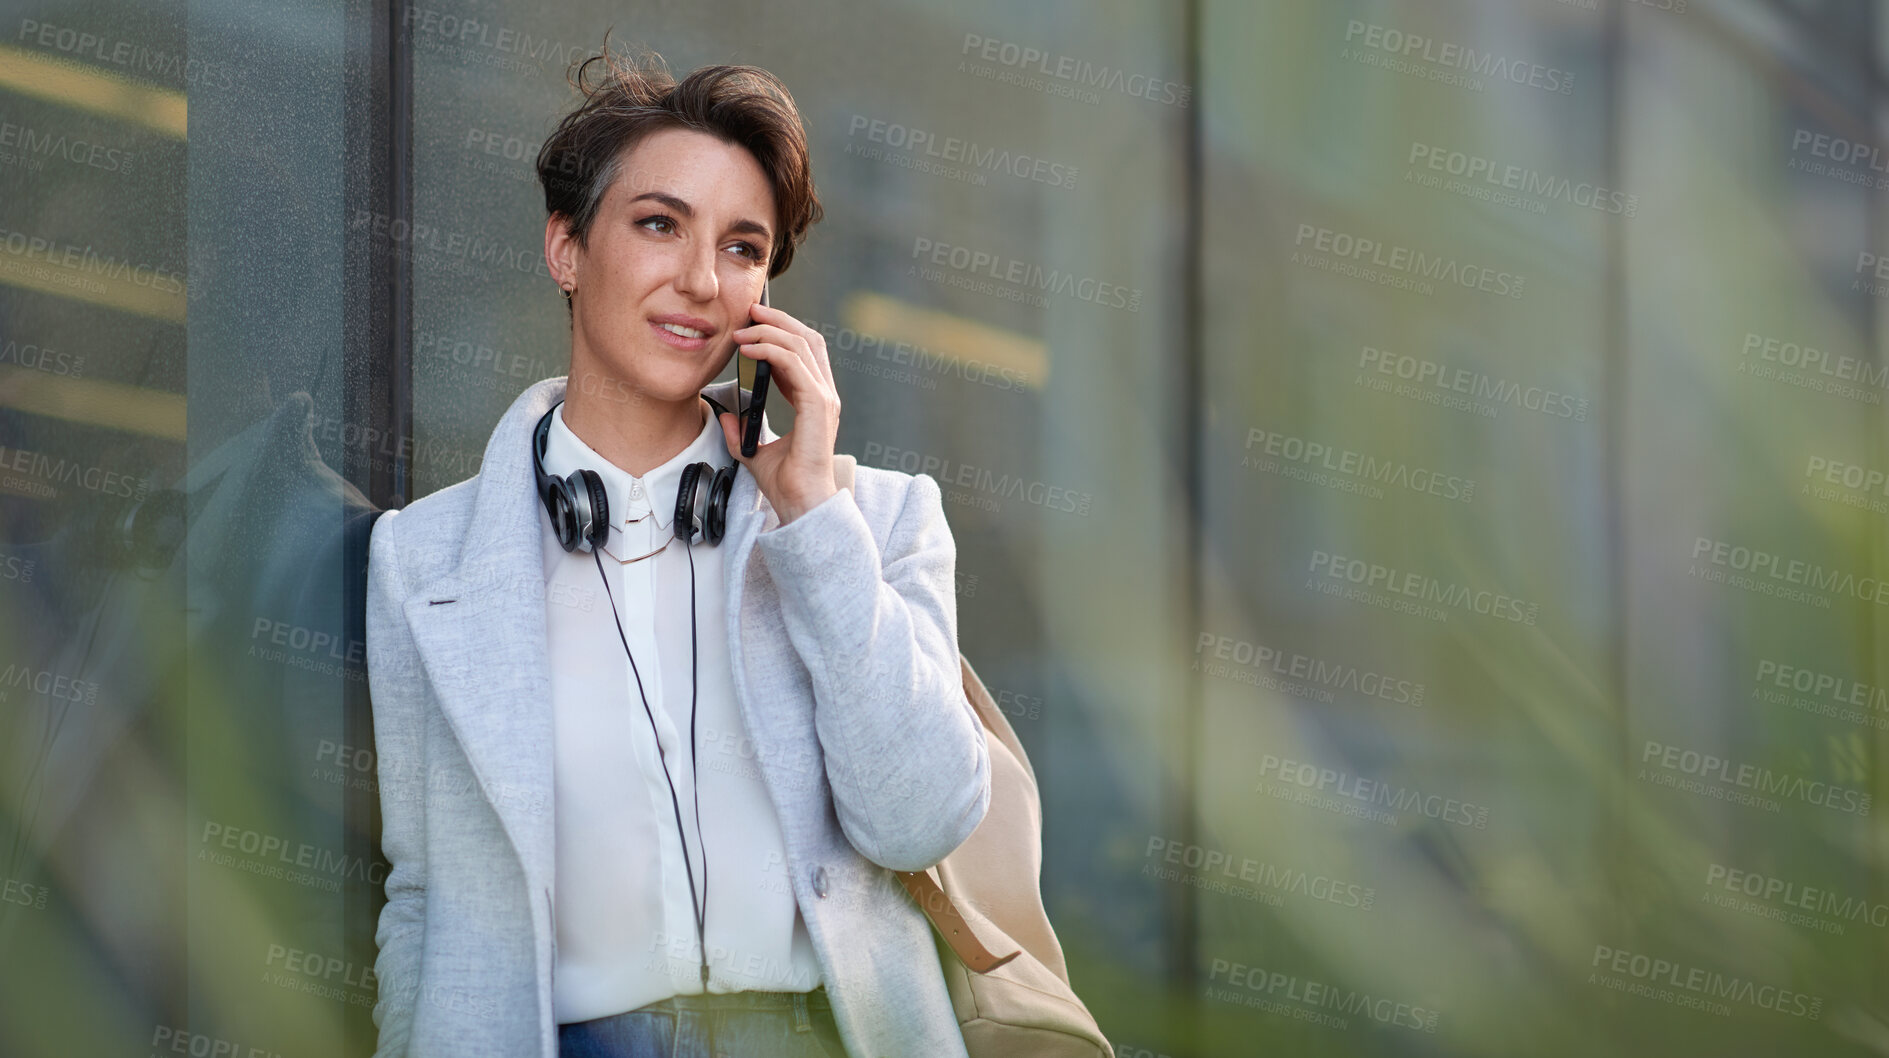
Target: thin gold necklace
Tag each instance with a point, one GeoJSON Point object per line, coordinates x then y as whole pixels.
{"type": "Point", "coordinates": [660, 548]}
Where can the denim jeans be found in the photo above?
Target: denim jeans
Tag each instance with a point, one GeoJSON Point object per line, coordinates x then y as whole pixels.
{"type": "Point", "coordinates": [741, 1025]}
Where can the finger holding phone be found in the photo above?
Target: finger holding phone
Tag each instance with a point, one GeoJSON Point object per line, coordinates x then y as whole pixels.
{"type": "Point", "coordinates": [794, 472]}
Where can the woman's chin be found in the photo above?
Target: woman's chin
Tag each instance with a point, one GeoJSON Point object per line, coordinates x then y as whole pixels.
{"type": "Point", "coordinates": [664, 377]}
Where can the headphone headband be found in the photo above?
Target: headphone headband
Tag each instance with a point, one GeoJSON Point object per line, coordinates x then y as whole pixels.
{"type": "Point", "coordinates": [579, 506]}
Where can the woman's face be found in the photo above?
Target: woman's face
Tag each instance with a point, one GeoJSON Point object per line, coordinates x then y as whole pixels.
{"type": "Point", "coordinates": [677, 255]}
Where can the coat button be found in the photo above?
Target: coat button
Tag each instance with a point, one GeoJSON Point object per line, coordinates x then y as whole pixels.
{"type": "Point", "coordinates": [819, 882]}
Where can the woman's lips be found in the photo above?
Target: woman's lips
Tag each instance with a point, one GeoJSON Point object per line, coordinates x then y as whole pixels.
{"type": "Point", "coordinates": [680, 341]}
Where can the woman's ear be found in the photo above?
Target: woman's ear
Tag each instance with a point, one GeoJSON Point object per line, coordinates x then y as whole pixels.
{"type": "Point", "coordinates": [560, 251]}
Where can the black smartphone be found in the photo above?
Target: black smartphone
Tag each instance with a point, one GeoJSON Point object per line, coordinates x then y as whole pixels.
{"type": "Point", "coordinates": [753, 376]}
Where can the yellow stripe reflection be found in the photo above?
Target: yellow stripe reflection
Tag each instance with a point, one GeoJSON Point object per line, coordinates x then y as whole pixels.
{"type": "Point", "coordinates": [72, 84]}
{"type": "Point", "coordinates": [941, 334]}
{"type": "Point", "coordinates": [94, 402]}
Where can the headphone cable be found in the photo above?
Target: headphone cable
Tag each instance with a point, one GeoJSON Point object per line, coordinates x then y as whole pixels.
{"type": "Point", "coordinates": [701, 930]}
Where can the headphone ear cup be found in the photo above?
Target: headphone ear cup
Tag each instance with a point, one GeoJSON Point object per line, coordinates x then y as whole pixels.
{"type": "Point", "coordinates": [686, 486]}
{"type": "Point", "coordinates": [718, 492]}
{"type": "Point", "coordinates": [597, 532]}
{"type": "Point", "coordinates": [559, 494]}
{"type": "Point", "coordinates": [561, 503]}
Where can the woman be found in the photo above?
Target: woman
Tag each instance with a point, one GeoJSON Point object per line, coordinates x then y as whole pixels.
{"type": "Point", "coordinates": [643, 792]}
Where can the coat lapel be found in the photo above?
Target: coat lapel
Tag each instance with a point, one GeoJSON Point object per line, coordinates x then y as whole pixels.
{"type": "Point", "coordinates": [480, 629]}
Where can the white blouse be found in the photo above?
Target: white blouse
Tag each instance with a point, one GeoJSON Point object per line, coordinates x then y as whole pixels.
{"type": "Point", "coordinates": [625, 928]}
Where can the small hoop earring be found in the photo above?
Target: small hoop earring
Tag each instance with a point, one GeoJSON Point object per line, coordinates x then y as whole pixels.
{"type": "Point", "coordinates": [567, 293]}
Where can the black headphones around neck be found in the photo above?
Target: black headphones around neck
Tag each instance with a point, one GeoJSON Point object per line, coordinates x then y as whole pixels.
{"type": "Point", "coordinates": [580, 508]}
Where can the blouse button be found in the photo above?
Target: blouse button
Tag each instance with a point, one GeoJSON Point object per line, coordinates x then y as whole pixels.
{"type": "Point", "coordinates": [819, 882]}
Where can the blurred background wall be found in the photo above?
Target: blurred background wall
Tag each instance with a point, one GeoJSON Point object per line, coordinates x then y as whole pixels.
{"type": "Point", "coordinates": [1418, 473]}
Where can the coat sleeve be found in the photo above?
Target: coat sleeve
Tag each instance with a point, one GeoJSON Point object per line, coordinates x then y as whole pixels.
{"type": "Point", "coordinates": [395, 685]}
{"type": "Point", "coordinates": [904, 751]}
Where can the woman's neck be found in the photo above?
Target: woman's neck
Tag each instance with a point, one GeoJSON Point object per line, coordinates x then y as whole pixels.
{"type": "Point", "coordinates": [637, 435]}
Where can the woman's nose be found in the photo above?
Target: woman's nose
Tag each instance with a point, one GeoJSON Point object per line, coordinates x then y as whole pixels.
{"type": "Point", "coordinates": [697, 278]}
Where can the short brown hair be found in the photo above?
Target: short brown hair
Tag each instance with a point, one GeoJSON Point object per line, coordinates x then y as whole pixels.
{"type": "Point", "coordinates": [627, 99]}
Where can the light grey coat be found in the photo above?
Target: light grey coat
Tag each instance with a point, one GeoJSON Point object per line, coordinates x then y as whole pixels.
{"type": "Point", "coordinates": [842, 628]}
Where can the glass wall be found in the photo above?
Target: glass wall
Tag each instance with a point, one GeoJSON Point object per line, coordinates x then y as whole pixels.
{"type": "Point", "coordinates": [1417, 472]}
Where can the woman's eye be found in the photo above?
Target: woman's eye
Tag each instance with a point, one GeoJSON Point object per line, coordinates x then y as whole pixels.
{"type": "Point", "coordinates": [662, 225]}
{"type": "Point", "coordinates": [747, 249]}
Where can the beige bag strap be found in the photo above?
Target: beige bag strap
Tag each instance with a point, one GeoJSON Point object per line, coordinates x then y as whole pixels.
{"type": "Point", "coordinates": [923, 885]}
{"type": "Point", "coordinates": [843, 470]}
{"type": "Point", "coordinates": [995, 722]}
{"type": "Point", "coordinates": [950, 924]}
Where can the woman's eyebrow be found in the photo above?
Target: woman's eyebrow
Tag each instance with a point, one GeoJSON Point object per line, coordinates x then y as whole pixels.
{"type": "Point", "coordinates": [744, 225]}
